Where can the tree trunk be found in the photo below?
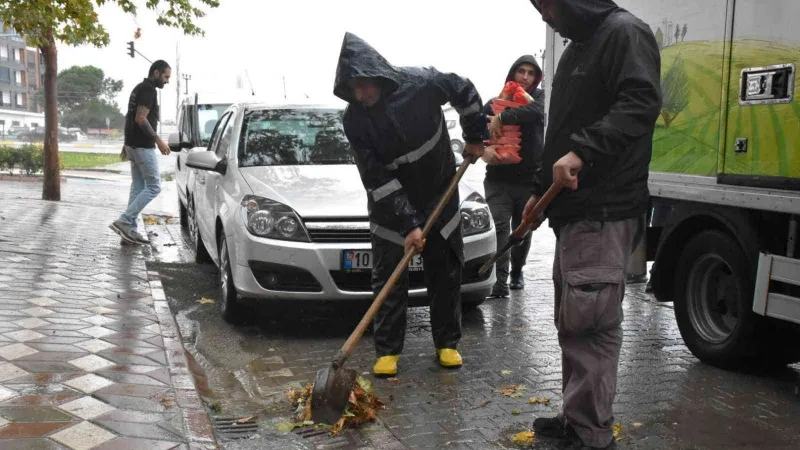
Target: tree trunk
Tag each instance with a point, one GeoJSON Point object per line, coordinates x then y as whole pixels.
{"type": "Point", "coordinates": [51, 188]}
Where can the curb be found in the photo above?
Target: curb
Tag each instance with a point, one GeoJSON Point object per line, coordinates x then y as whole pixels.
{"type": "Point", "coordinates": [199, 431]}
{"type": "Point", "coordinates": [26, 179]}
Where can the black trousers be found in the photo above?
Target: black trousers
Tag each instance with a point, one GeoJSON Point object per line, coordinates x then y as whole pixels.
{"type": "Point", "coordinates": [442, 268]}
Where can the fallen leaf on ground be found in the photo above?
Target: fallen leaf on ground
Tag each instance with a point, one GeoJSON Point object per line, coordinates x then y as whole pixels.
{"type": "Point", "coordinates": [393, 380]}
{"type": "Point", "coordinates": [514, 412]}
{"type": "Point", "coordinates": [362, 406]}
{"type": "Point", "coordinates": [245, 420]}
{"type": "Point", "coordinates": [539, 400]}
{"type": "Point", "coordinates": [205, 301]}
{"type": "Point", "coordinates": [150, 220]}
{"type": "Point", "coordinates": [285, 427]}
{"type": "Point", "coordinates": [512, 390]}
{"type": "Point", "coordinates": [524, 437]}
{"type": "Point", "coordinates": [618, 431]}
{"type": "Point", "coordinates": [637, 425]}
{"type": "Point", "coordinates": [365, 384]}
{"type": "Point", "coordinates": [481, 405]}
{"type": "Point", "coordinates": [506, 372]}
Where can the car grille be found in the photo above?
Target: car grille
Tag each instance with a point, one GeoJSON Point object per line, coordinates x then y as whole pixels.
{"type": "Point", "coordinates": [338, 232]}
{"type": "Point", "coordinates": [278, 277]}
{"type": "Point", "coordinates": [361, 280]}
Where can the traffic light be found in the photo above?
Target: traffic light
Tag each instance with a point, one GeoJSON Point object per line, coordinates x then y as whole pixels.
{"type": "Point", "coordinates": [130, 48]}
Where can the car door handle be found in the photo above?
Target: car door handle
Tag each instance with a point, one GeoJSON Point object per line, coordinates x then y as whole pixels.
{"type": "Point", "coordinates": [767, 85]}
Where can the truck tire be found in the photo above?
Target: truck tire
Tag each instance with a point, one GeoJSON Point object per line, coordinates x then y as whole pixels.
{"type": "Point", "coordinates": [713, 300]}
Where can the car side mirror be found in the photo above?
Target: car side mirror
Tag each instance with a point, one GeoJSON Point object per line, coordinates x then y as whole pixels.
{"type": "Point", "coordinates": [177, 142]}
{"type": "Point", "coordinates": [206, 161]}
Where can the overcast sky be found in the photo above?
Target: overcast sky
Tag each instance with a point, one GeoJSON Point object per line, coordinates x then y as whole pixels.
{"type": "Point", "coordinates": [300, 39]}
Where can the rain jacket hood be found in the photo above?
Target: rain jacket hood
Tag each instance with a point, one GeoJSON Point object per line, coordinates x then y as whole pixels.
{"type": "Point", "coordinates": [581, 18]}
{"type": "Point", "coordinates": [526, 59]}
{"type": "Point", "coordinates": [358, 59]}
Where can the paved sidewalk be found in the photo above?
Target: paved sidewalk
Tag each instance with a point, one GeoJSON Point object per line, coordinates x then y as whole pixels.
{"type": "Point", "coordinates": [90, 355]}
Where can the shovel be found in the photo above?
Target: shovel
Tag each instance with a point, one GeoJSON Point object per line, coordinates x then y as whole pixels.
{"type": "Point", "coordinates": [333, 385]}
{"type": "Point", "coordinates": [524, 228]}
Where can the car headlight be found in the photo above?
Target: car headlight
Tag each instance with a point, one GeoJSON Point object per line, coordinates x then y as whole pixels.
{"type": "Point", "coordinates": [475, 216]}
{"type": "Point", "coordinates": [270, 219]}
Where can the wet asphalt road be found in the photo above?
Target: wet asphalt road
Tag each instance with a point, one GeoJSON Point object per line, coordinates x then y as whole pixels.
{"type": "Point", "coordinates": [666, 398]}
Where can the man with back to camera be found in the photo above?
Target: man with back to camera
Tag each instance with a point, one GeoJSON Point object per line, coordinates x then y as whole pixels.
{"type": "Point", "coordinates": [605, 100]}
{"type": "Point", "coordinates": [141, 139]}
{"type": "Point", "coordinates": [395, 124]}
{"type": "Point", "coordinates": [508, 186]}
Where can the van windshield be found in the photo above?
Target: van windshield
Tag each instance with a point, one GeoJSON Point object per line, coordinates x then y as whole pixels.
{"type": "Point", "coordinates": [281, 137]}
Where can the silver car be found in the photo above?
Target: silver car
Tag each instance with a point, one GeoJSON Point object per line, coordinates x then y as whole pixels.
{"type": "Point", "coordinates": [279, 207]}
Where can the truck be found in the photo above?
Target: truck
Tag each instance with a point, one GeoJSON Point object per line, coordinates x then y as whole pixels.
{"type": "Point", "coordinates": [724, 175]}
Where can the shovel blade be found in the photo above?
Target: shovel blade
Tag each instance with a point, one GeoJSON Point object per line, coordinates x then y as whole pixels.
{"type": "Point", "coordinates": [331, 393]}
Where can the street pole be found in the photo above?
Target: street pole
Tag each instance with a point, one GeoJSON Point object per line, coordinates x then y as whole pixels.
{"type": "Point", "coordinates": [186, 78]}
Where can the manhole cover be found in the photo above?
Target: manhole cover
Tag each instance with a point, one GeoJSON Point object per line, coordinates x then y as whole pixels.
{"type": "Point", "coordinates": [229, 428]}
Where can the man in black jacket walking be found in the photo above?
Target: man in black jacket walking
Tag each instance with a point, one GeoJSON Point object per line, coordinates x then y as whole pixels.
{"type": "Point", "coordinates": [605, 100]}
{"type": "Point", "coordinates": [508, 186]}
{"type": "Point", "coordinates": [395, 124]}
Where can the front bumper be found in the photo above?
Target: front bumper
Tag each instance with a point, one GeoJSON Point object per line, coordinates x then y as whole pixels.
{"type": "Point", "coordinates": [276, 269]}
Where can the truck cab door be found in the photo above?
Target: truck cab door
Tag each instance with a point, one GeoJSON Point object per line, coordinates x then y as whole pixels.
{"type": "Point", "coordinates": [763, 118]}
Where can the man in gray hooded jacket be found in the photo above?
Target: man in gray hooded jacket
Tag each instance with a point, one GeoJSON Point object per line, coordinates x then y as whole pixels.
{"type": "Point", "coordinates": [605, 100]}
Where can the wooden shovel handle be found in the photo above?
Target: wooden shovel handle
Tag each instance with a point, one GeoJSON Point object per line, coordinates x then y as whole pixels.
{"type": "Point", "coordinates": [529, 220]}
{"type": "Point", "coordinates": [355, 336]}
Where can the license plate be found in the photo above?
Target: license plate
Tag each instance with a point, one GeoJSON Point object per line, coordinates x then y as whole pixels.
{"type": "Point", "coordinates": [362, 260]}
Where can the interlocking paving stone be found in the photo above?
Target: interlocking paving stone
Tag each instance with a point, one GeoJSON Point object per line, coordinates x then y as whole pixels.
{"type": "Point", "coordinates": [83, 436]}
{"type": "Point", "coordinates": [70, 297]}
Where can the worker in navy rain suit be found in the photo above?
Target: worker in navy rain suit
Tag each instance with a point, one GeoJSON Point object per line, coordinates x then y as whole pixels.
{"type": "Point", "coordinates": [395, 124]}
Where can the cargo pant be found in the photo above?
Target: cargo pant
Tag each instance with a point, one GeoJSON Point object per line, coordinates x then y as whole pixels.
{"type": "Point", "coordinates": [589, 278]}
{"type": "Point", "coordinates": [507, 202]}
{"type": "Point", "coordinates": [442, 268]}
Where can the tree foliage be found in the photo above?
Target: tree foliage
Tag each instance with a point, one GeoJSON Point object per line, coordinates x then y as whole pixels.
{"type": "Point", "coordinates": [675, 91]}
{"type": "Point", "coordinates": [86, 97]}
{"type": "Point", "coordinates": [75, 22]}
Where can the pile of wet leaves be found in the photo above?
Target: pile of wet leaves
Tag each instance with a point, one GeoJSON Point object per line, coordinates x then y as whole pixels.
{"type": "Point", "coordinates": [362, 407]}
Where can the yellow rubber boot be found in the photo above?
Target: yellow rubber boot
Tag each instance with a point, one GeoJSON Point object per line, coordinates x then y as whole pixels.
{"type": "Point", "coordinates": [449, 357]}
{"type": "Point", "coordinates": [386, 366]}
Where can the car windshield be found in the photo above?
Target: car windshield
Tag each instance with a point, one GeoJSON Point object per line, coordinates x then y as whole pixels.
{"type": "Point", "coordinates": [208, 115]}
{"type": "Point", "coordinates": [282, 137]}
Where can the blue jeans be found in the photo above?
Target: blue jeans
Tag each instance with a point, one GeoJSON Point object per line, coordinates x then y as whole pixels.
{"type": "Point", "coordinates": [145, 183]}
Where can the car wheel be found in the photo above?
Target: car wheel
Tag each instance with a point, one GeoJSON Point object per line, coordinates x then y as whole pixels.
{"type": "Point", "coordinates": [457, 145]}
{"type": "Point", "coordinates": [182, 213]}
{"type": "Point", "coordinates": [201, 255]}
{"type": "Point", "coordinates": [228, 305]}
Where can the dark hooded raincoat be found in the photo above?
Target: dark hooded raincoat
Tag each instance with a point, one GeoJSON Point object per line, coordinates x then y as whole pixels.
{"type": "Point", "coordinates": [405, 161]}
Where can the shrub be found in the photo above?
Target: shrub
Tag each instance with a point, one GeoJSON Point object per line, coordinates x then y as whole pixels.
{"type": "Point", "coordinates": [28, 158]}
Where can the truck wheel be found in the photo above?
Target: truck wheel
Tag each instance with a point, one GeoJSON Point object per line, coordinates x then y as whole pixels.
{"type": "Point", "coordinates": [182, 213]}
{"type": "Point", "coordinates": [713, 300]}
{"type": "Point", "coordinates": [229, 305]}
{"type": "Point", "coordinates": [201, 255]}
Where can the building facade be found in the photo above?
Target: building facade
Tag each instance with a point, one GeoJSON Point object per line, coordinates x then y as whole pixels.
{"type": "Point", "coordinates": [21, 74]}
